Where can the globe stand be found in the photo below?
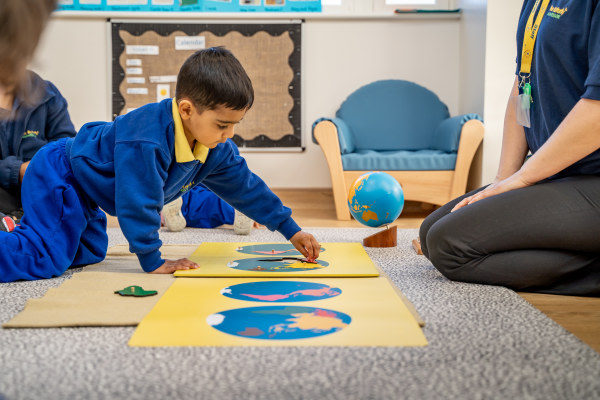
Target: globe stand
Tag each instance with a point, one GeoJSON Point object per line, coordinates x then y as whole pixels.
{"type": "Point", "coordinates": [385, 238]}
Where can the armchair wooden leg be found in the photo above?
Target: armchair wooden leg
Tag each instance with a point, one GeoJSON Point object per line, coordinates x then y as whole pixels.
{"type": "Point", "coordinates": [340, 199]}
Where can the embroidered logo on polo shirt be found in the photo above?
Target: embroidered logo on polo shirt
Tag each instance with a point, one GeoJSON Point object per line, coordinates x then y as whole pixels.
{"type": "Point", "coordinates": [29, 133]}
{"type": "Point", "coordinates": [556, 12]}
{"type": "Point", "coordinates": [187, 187]}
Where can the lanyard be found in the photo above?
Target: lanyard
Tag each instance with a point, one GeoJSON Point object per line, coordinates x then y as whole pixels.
{"type": "Point", "coordinates": [531, 31]}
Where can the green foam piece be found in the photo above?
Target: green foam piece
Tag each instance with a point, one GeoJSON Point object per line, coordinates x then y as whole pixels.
{"type": "Point", "coordinates": [136, 291]}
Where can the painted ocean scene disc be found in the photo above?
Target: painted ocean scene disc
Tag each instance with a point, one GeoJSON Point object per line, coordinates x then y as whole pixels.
{"type": "Point", "coordinates": [280, 291]}
{"type": "Point", "coordinates": [271, 249]}
{"type": "Point", "coordinates": [275, 264]}
{"type": "Point", "coordinates": [279, 322]}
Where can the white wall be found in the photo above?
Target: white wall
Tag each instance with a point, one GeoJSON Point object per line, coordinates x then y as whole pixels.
{"type": "Point", "coordinates": [500, 65]}
{"type": "Point", "coordinates": [472, 55]}
{"type": "Point", "coordinates": [73, 55]}
{"type": "Point", "coordinates": [338, 57]}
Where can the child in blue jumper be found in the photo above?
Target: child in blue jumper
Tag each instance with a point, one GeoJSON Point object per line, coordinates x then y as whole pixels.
{"type": "Point", "coordinates": [132, 166]}
{"type": "Point", "coordinates": [30, 122]}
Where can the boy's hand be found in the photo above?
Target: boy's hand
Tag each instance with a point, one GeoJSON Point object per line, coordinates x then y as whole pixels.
{"type": "Point", "coordinates": [171, 266]}
{"type": "Point", "coordinates": [306, 244]}
{"type": "Point", "coordinates": [22, 170]}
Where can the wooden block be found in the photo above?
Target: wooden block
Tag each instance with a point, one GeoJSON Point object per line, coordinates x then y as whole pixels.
{"type": "Point", "coordinates": [417, 246]}
{"type": "Point", "coordinates": [385, 238]}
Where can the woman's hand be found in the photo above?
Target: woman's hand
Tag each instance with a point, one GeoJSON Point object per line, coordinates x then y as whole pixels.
{"type": "Point", "coordinates": [515, 181]}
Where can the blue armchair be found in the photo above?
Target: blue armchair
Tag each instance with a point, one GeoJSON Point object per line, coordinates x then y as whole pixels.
{"type": "Point", "coordinates": [405, 130]}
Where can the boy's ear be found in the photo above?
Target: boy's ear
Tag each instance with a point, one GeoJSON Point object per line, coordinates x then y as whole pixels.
{"type": "Point", "coordinates": [186, 109]}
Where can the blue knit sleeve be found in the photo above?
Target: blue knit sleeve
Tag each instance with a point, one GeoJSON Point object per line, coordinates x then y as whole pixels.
{"type": "Point", "coordinates": [9, 171]}
{"type": "Point", "coordinates": [140, 173]}
{"type": "Point", "coordinates": [58, 121]}
{"type": "Point", "coordinates": [231, 179]}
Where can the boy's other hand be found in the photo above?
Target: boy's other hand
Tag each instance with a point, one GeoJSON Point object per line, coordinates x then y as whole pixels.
{"type": "Point", "coordinates": [171, 266]}
{"type": "Point", "coordinates": [306, 244]}
{"type": "Point", "coordinates": [22, 170]}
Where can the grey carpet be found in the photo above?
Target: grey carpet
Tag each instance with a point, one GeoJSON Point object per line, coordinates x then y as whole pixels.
{"type": "Point", "coordinates": [484, 343]}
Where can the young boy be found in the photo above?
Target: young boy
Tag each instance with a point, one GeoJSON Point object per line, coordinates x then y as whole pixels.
{"type": "Point", "coordinates": [25, 101]}
{"type": "Point", "coordinates": [132, 166]}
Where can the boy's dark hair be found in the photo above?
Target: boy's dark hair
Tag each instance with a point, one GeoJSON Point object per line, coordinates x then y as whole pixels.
{"type": "Point", "coordinates": [214, 77]}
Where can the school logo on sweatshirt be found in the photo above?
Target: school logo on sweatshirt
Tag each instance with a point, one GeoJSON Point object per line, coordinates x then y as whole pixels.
{"type": "Point", "coordinates": [556, 12]}
{"type": "Point", "coordinates": [187, 187]}
{"type": "Point", "coordinates": [29, 133]}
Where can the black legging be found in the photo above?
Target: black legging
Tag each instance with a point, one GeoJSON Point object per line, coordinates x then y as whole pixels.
{"type": "Point", "coordinates": [543, 238]}
{"type": "Point", "coordinates": [9, 200]}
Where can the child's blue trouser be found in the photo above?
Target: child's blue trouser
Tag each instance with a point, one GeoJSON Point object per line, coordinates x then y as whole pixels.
{"type": "Point", "coordinates": [61, 226]}
{"type": "Point", "coordinates": [204, 209]}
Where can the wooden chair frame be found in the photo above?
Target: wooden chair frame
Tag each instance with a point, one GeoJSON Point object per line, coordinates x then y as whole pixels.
{"type": "Point", "coordinates": [435, 187]}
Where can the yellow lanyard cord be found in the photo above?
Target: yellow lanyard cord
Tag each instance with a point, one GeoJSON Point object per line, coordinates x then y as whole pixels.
{"type": "Point", "coordinates": [531, 31]}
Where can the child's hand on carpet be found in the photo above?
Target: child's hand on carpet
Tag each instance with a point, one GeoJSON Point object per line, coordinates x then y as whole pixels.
{"type": "Point", "coordinates": [171, 266]}
{"type": "Point", "coordinates": [306, 244]}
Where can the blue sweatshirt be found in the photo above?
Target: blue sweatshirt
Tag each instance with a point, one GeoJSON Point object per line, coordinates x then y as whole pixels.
{"type": "Point", "coordinates": [564, 69]}
{"type": "Point", "coordinates": [128, 168]}
{"type": "Point", "coordinates": [30, 127]}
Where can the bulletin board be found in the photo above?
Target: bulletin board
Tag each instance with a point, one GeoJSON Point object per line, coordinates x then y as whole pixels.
{"type": "Point", "coordinates": [146, 58]}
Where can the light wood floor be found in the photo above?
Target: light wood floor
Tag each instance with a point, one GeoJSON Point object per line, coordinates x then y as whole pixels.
{"type": "Point", "coordinates": [314, 208]}
{"type": "Point", "coordinates": [578, 315]}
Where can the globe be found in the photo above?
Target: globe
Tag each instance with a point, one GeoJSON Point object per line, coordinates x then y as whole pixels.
{"type": "Point", "coordinates": [375, 199]}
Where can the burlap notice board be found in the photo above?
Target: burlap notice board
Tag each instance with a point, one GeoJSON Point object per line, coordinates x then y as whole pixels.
{"type": "Point", "coordinates": [146, 58]}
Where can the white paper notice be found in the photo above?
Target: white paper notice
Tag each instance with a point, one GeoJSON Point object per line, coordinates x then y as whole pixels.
{"type": "Point", "coordinates": [139, 80]}
{"type": "Point", "coordinates": [126, 2]}
{"type": "Point", "coordinates": [190, 42]}
{"type": "Point", "coordinates": [163, 79]}
{"type": "Point", "coordinates": [133, 62]}
{"type": "Point", "coordinates": [162, 2]}
{"type": "Point", "coordinates": [139, 49]}
{"type": "Point", "coordinates": [163, 92]}
{"type": "Point", "coordinates": [133, 71]}
{"type": "Point", "coordinates": [137, 90]}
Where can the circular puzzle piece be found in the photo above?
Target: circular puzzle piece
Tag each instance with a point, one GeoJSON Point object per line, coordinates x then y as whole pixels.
{"type": "Point", "coordinates": [279, 322]}
{"type": "Point", "coordinates": [280, 291]}
{"type": "Point", "coordinates": [276, 264]}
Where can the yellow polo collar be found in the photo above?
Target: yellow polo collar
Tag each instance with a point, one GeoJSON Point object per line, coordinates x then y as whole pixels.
{"type": "Point", "coordinates": [183, 153]}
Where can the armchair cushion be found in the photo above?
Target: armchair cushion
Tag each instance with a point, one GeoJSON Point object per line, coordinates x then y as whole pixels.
{"type": "Point", "coordinates": [447, 134]}
{"type": "Point", "coordinates": [400, 160]}
{"type": "Point", "coordinates": [344, 134]}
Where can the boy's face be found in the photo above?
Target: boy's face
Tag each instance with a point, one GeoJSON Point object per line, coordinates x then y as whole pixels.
{"type": "Point", "coordinates": [209, 127]}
